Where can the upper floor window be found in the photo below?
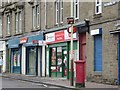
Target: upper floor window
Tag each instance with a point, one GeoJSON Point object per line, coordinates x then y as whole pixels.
{"type": "Point", "coordinates": [36, 17]}
{"type": "Point", "coordinates": [18, 22]}
{"type": "Point", "coordinates": [8, 25]}
{"type": "Point", "coordinates": [45, 13]}
{"type": "Point", "coordinates": [76, 9]}
{"type": "Point", "coordinates": [98, 7]}
{"type": "Point", "coordinates": [8, 1]}
{"type": "Point", "coordinates": [0, 25]}
{"type": "Point", "coordinates": [56, 12]}
{"type": "Point", "coordinates": [0, 2]}
{"type": "Point", "coordinates": [61, 11]}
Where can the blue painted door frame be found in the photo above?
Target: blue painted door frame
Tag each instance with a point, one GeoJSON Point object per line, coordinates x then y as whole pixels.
{"type": "Point", "coordinates": [41, 61]}
{"type": "Point", "coordinates": [119, 58]}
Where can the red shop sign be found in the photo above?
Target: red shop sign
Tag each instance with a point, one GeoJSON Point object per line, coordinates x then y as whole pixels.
{"type": "Point", "coordinates": [59, 36]}
{"type": "Point", "coordinates": [23, 40]}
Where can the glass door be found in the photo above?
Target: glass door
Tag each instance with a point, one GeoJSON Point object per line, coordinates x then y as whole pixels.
{"type": "Point", "coordinates": [65, 63]}
{"type": "Point", "coordinates": [59, 62]}
{"type": "Point", "coordinates": [31, 61]}
{"type": "Point", "coordinates": [16, 61]}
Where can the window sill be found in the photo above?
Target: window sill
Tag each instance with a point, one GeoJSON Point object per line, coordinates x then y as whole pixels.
{"type": "Point", "coordinates": [18, 33]}
{"type": "Point", "coordinates": [61, 23]}
{"type": "Point", "coordinates": [76, 19]}
{"type": "Point", "coordinates": [98, 73]}
{"type": "Point", "coordinates": [8, 35]}
{"type": "Point", "coordinates": [56, 24]}
{"type": "Point", "coordinates": [97, 15]}
{"type": "Point", "coordinates": [36, 29]}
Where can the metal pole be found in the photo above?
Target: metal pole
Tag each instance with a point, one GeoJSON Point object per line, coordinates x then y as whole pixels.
{"type": "Point", "coordinates": [72, 71]}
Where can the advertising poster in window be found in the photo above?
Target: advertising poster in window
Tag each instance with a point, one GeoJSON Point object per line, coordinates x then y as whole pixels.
{"type": "Point", "coordinates": [18, 60]}
{"type": "Point", "coordinates": [53, 56]}
{"type": "Point", "coordinates": [14, 59]}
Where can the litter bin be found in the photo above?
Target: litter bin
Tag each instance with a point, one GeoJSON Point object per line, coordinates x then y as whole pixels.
{"type": "Point", "coordinates": [80, 73]}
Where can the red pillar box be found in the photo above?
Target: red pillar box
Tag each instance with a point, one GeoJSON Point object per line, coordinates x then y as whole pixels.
{"type": "Point", "coordinates": [80, 73]}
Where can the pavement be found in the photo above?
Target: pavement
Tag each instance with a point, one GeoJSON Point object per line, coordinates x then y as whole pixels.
{"type": "Point", "coordinates": [59, 82]}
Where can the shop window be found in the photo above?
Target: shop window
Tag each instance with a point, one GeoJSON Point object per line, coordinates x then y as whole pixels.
{"type": "Point", "coordinates": [16, 58]}
{"type": "Point", "coordinates": [53, 56]}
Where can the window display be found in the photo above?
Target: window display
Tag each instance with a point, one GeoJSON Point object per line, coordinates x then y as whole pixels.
{"type": "Point", "coordinates": [16, 58]}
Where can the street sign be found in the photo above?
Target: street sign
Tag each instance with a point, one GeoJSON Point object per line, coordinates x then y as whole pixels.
{"type": "Point", "coordinates": [70, 20]}
{"type": "Point", "coordinates": [70, 28]}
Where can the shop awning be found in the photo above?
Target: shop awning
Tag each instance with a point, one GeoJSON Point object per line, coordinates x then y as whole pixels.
{"type": "Point", "coordinates": [13, 43]}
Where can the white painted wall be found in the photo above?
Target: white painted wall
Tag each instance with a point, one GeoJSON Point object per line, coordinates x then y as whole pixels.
{"type": "Point", "coordinates": [4, 61]}
{"type": "Point", "coordinates": [23, 61]}
{"type": "Point", "coordinates": [3, 49]}
{"type": "Point", "coordinates": [47, 63]}
{"type": "Point", "coordinates": [38, 61]}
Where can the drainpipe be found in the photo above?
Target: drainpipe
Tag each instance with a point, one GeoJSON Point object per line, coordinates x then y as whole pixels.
{"type": "Point", "coordinates": [118, 58]}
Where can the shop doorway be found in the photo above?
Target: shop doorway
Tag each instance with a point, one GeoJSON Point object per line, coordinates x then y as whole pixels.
{"type": "Point", "coordinates": [31, 60]}
{"type": "Point", "coordinates": [16, 61]}
{"type": "Point", "coordinates": [59, 63]}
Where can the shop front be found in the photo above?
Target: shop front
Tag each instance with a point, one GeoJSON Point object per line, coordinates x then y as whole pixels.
{"type": "Point", "coordinates": [58, 53]}
{"type": "Point", "coordinates": [33, 55]}
{"type": "Point", "coordinates": [15, 55]}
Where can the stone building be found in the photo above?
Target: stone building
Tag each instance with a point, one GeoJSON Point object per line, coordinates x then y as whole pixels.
{"type": "Point", "coordinates": [26, 25]}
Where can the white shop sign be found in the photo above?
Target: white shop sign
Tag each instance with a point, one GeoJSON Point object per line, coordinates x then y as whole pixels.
{"type": "Point", "coordinates": [59, 36]}
{"type": "Point", "coordinates": [96, 31]}
{"type": "Point", "coordinates": [2, 45]}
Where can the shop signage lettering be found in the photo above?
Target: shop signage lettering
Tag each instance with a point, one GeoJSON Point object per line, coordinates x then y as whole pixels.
{"type": "Point", "coordinates": [96, 31]}
{"type": "Point", "coordinates": [42, 43]}
{"type": "Point", "coordinates": [59, 36]}
{"type": "Point", "coordinates": [35, 42]}
{"type": "Point", "coordinates": [23, 40]}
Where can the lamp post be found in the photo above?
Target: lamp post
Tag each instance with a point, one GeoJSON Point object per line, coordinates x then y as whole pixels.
{"type": "Point", "coordinates": [70, 20]}
{"type": "Point", "coordinates": [70, 30]}
{"type": "Point", "coordinates": [72, 71]}
{"type": "Point", "coordinates": [72, 66]}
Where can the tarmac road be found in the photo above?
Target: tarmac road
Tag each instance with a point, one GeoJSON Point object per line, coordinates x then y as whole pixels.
{"type": "Point", "coordinates": [12, 83]}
